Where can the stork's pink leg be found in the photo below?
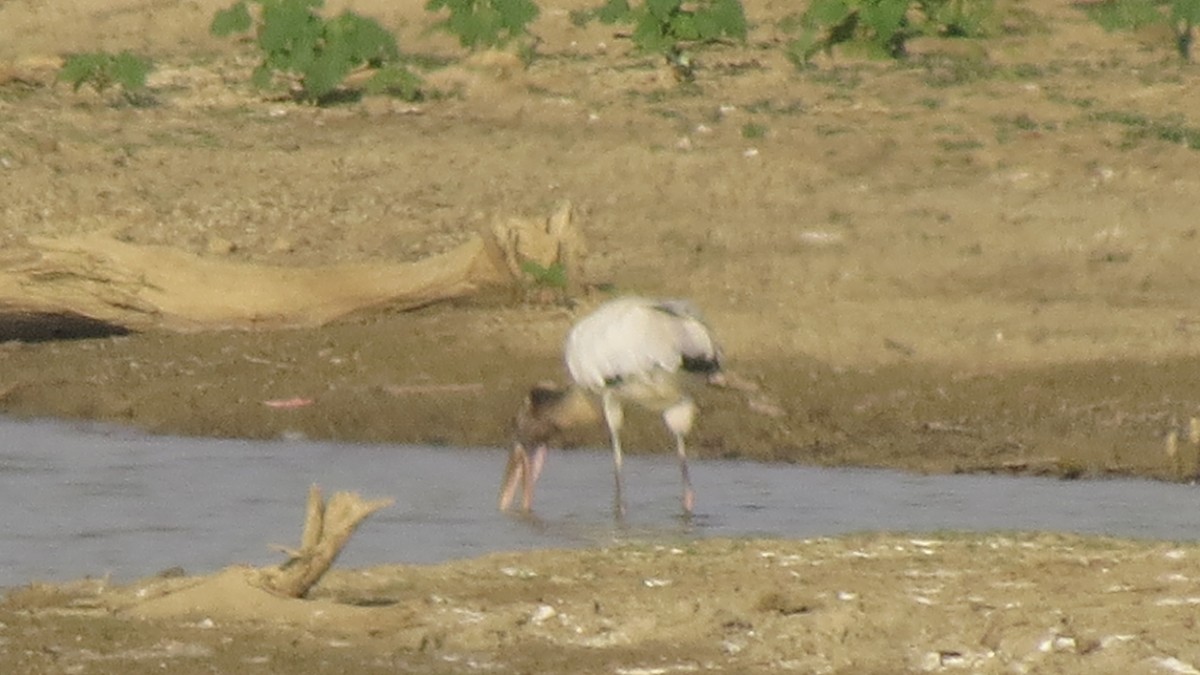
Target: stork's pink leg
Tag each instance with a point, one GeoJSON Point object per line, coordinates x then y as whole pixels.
{"type": "Point", "coordinates": [615, 417]}
{"type": "Point", "coordinates": [679, 420]}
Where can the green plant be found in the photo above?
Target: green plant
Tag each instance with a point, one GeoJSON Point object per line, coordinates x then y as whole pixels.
{"type": "Point", "coordinates": [1185, 14]}
{"type": "Point", "coordinates": [1138, 127]}
{"type": "Point", "coordinates": [482, 24]}
{"type": "Point", "coordinates": [551, 276]}
{"type": "Point", "coordinates": [1181, 15]}
{"type": "Point", "coordinates": [1114, 15]}
{"type": "Point", "coordinates": [102, 70]}
{"type": "Point", "coordinates": [666, 26]}
{"type": "Point", "coordinates": [880, 28]}
{"type": "Point", "coordinates": [295, 40]}
{"type": "Point", "coordinates": [753, 130]}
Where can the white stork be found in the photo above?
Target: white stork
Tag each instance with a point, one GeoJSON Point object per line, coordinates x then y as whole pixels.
{"type": "Point", "coordinates": [629, 349]}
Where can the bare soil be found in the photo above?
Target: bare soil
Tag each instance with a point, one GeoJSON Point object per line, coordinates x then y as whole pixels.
{"type": "Point", "coordinates": [869, 604]}
{"type": "Point", "coordinates": [978, 259]}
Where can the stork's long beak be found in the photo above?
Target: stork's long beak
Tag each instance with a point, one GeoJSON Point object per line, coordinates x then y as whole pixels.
{"type": "Point", "coordinates": [523, 471]}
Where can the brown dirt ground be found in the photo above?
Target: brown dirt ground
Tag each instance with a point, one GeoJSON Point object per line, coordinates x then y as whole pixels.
{"type": "Point", "coordinates": [981, 259]}
{"type": "Point", "coordinates": [874, 604]}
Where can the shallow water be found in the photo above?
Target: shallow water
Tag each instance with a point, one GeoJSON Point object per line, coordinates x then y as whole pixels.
{"type": "Point", "coordinates": [80, 500]}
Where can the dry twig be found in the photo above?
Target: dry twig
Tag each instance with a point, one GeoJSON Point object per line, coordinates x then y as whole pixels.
{"type": "Point", "coordinates": [327, 528]}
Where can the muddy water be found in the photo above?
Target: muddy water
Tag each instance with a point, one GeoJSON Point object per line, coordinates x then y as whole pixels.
{"type": "Point", "coordinates": [93, 500]}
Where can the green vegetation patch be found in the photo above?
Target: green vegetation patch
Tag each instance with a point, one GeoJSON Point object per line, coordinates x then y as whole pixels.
{"type": "Point", "coordinates": [101, 71]}
{"type": "Point", "coordinates": [295, 40]}
{"type": "Point", "coordinates": [482, 24]}
{"type": "Point", "coordinates": [1181, 16]}
{"type": "Point", "coordinates": [1139, 127]}
{"type": "Point", "coordinates": [668, 27]}
{"type": "Point", "coordinates": [880, 28]}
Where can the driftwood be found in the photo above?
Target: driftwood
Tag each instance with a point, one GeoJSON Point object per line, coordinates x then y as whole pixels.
{"type": "Point", "coordinates": [327, 529]}
{"type": "Point", "coordinates": [137, 287]}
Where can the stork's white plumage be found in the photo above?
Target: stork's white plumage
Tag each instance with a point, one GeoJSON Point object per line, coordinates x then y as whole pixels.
{"type": "Point", "coordinates": [638, 339]}
{"type": "Point", "coordinates": [629, 349]}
